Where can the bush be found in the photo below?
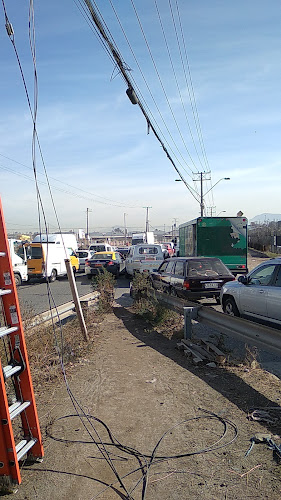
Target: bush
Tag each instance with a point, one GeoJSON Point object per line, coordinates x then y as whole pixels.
{"type": "Point", "coordinates": [104, 283]}
{"type": "Point", "coordinates": [165, 321]}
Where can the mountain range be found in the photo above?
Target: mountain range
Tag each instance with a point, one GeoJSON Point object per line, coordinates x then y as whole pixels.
{"type": "Point", "coordinates": [266, 218]}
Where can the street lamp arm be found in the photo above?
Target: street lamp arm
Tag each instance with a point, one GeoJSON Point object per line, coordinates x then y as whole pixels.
{"type": "Point", "coordinates": [222, 179]}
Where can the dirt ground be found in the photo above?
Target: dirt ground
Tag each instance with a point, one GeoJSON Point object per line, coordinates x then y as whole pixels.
{"type": "Point", "coordinates": [137, 383]}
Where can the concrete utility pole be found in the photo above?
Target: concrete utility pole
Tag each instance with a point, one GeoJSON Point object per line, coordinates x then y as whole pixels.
{"type": "Point", "coordinates": [87, 222]}
{"type": "Point", "coordinates": [201, 179]}
{"type": "Point", "coordinates": [125, 228]}
{"type": "Point", "coordinates": [147, 221]}
{"type": "Point", "coordinates": [174, 227]}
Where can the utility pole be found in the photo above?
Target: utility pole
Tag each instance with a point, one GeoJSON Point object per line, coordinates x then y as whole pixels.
{"type": "Point", "coordinates": [87, 223]}
{"type": "Point", "coordinates": [201, 179]}
{"type": "Point", "coordinates": [147, 221]}
{"type": "Point", "coordinates": [212, 211]}
{"type": "Point", "coordinates": [125, 228]}
{"type": "Point", "coordinates": [174, 226]}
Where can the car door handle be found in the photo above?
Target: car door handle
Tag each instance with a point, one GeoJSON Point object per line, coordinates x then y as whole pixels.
{"type": "Point", "coordinates": [261, 291]}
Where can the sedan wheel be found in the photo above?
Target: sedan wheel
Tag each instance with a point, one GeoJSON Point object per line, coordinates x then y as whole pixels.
{"type": "Point", "coordinates": [230, 308]}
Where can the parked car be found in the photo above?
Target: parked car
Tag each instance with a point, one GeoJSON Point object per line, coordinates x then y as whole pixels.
{"type": "Point", "coordinates": [191, 277]}
{"type": "Point", "coordinates": [83, 255]}
{"type": "Point", "coordinates": [256, 295]}
{"type": "Point", "coordinates": [143, 258]}
{"type": "Point", "coordinates": [111, 261]}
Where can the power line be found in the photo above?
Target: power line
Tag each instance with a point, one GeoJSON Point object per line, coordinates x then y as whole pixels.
{"type": "Point", "coordinates": [130, 91]}
{"type": "Point", "coordinates": [161, 82]}
{"type": "Point", "coordinates": [175, 77]}
{"type": "Point", "coordinates": [115, 204]}
{"type": "Point", "coordinates": [152, 97]}
{"type": "Point", "coordinates": [191, 93]}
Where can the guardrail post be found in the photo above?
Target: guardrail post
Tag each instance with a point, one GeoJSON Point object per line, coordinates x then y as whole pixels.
{"type": "Point", "coordinates": [189, 314]}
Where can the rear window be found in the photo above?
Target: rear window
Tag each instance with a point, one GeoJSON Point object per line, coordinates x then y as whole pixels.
{"type": "Point", "coordinates": [197, 267]}
{"type": "Point", "coordinates": [82, 255]}
{"type": "Point", "coordinates": [98, 248]}
{"type": "Point", "coordinates": [103, 256]}
{"type": "Point", "coordinates": [148, 250]}
{"type": "Point", "coordinates": [34, 252]}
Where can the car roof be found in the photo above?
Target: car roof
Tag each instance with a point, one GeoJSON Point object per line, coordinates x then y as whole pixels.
{"type": "Point", "coordinates": [275, 260]}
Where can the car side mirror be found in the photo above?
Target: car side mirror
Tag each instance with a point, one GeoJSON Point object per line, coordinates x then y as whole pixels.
{"type": "Point", "coordinates": [243, 279]}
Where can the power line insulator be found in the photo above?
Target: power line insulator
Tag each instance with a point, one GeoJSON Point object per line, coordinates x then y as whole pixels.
{"type": "Point", "coordinates": [9, 28]}
{"type": "Point", "coordinates": [132, 96]}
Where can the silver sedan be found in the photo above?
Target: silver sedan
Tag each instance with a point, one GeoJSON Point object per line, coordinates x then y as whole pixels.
{"type": "Point", "coordinates": [257, 295]}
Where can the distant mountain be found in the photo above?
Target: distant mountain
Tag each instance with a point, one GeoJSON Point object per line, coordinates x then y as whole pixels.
{"type": "Point", "coordinates": [266, 218]}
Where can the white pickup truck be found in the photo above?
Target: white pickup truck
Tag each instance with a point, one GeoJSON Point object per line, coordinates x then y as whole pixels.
{"type": "Point", "coordinates": [143, 258]}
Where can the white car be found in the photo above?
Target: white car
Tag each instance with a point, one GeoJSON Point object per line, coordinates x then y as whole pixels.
{"type": "Point", "coordinates": [257, 295]}
{"type": "Point", "coordinates": [83, 255]}
{"type": "Point", "coordinates": [143, 258]}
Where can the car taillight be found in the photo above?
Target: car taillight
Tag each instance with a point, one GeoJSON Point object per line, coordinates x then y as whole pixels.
{"type": "Point", "coordinates": [87, 262]}
{"type": "Point", "coordinates": [110, 263]}
{"type": "Point", "coordinates": [186, 284]}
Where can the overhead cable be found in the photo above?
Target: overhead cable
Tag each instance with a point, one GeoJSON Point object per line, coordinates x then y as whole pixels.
{"type": "Point", "coordinates": [123, 70]}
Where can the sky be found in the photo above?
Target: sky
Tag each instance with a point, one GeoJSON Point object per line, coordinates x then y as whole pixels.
{"type": "Point", "coordinates": [207, 74]}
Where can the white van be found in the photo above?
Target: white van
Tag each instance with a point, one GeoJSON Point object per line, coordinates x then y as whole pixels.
{"type": "Point", "coordinates": [143, 258]}
{"type": "Point", "coordinates": [18, 258]}
{"type": "Point", "coordinates": [47, 254]}
{"type": "Point", "coordinates": [101, 247]}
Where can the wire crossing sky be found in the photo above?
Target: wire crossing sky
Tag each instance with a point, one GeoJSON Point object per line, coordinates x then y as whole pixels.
{"type": "Point", "coordinates": [207, 76]}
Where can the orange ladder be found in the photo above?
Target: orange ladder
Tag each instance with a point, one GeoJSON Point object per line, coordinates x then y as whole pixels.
{"type": "Point", "coordinates": [20, 405]}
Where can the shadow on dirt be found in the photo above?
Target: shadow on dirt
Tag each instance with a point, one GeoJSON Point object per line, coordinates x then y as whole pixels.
{"type": "Point", "coordinates": [231, 386]}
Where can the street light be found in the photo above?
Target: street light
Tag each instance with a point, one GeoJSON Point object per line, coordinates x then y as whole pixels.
{"type": "Point", "coordinates": [201, 190]}
{"type": "Point", "coordinates": [202, 198]}
{"type": "Point", "coordinates": [221, 212]}
{"type": "Point", "coordinates": [222, 179]}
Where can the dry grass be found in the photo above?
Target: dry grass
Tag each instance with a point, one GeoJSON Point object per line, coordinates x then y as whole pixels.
{"type": "Point", "coordinates": [50, 345]}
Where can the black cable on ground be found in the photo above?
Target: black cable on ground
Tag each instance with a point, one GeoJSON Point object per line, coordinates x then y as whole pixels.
{"type": "Point", "coordinates": [153, 458]}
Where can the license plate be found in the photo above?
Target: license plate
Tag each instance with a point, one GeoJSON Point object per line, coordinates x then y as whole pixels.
{"type": "Point", "coordinates": [211, 284]}
{"type": "Point", "coordinates": [97, 265]}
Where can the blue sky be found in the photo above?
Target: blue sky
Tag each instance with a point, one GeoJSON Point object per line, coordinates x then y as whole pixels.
{"type": "Point", "coordinates": [94, 141]}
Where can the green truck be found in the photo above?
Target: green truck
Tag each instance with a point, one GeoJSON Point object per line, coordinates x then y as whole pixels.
{"type": "Point", "coordinates": [222, 237]}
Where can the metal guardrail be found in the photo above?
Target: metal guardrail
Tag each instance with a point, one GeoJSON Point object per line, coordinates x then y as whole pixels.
{"type": "Point", "coordinates": [63, 311]}
{"type": "Point", "coordinates": [259, 335]}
